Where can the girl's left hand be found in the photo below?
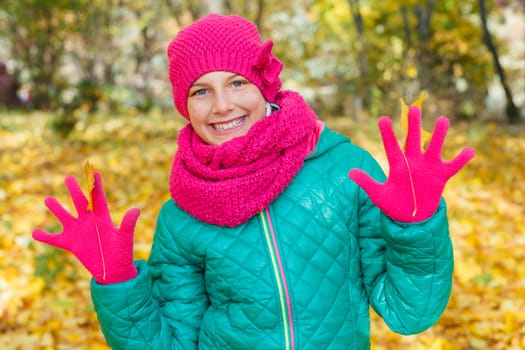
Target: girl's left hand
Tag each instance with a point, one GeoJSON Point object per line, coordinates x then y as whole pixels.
{"type": "Point", "coordinates": [413, 189]}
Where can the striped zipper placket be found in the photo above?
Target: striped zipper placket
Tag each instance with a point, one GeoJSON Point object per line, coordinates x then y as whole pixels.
{"type": "Point", "coordinates": [284, 295]}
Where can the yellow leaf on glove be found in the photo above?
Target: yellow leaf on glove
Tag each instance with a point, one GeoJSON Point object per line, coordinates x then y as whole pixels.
{"type": "Point", "coordinates": [425, 135]}
{"type": "Point", "coordinates": [89, 171]}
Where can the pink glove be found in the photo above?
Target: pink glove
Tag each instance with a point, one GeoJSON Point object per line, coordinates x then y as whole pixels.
{"type": "Point", "coordinates": [107, 252]}
{"type": "Point", "coordinates": [416, 181]}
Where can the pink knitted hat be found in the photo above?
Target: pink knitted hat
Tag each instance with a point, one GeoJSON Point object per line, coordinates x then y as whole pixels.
{"type": "Point", "coordinates": [221, 43]}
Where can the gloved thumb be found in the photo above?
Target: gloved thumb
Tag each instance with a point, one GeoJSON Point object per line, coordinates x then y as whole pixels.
{"type": "Point", "coordinates": [56, 240]}
{"type": "Point", "coordinates": [365, 181]}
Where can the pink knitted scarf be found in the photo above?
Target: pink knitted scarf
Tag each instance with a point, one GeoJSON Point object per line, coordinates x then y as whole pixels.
{"type": "Point", "coordinates": [228, 184]}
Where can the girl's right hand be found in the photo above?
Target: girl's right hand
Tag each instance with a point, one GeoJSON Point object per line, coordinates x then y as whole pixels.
{"type": "Point", "coordinates": [105, 250]}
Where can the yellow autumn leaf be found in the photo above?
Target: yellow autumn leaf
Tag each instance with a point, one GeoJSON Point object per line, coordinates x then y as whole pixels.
{"type": "Point", "coordinates": [425, 135]}
{"type": "Point", "coordinates": [89, 171]}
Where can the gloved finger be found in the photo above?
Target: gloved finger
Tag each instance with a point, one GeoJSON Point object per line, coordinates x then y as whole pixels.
{"type": "Point", "coordinates": [460, 161]}
{"type": "Point", "coordinates": [56, 240]}
{"type": "Point", "coordinates": [393, 152]}
{"type": "Point", "coordinates": [413, 141]}
{"type": "Point", "coordinates": [58, 210]}
{"type": "Point", "coordinates": [129, 221]}
{"type": "Point", "coordinates": [365, 181]}
{"type": "Point", "coordinates": [439, 134]}
{"type": "Point", "coordinates": [79, 199]}
{"type": "Point", "coordinates": [100, 204]}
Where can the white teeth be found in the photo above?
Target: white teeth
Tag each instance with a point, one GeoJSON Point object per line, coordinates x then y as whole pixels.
{"type": "Point", "coordinates": [227, 126]}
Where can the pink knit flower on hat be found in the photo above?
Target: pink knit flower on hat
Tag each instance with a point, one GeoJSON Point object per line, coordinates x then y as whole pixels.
{"type": "Point", "coordinates": [269, 65]}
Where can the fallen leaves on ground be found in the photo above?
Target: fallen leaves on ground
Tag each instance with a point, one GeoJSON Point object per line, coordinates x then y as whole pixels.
{"type": "Point", "coordinates": [44, 292]}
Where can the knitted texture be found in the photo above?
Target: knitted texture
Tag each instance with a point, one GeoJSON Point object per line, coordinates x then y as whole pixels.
{"type": "Point", "coordinates": [226, 185]}
{"type": "Point", "coordinates": [417, 179]}
{"type": "Point", "coordinates": [221, 43]}
{"type": "Point", "coordinates": [105, 251]}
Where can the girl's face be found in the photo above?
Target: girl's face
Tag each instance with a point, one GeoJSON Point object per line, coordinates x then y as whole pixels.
{"type": "Point", "coordinates": [224, 105]}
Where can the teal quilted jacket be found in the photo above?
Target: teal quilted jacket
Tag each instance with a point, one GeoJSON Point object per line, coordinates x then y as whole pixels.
{"type": "Point", "coordinates": [300, 275]}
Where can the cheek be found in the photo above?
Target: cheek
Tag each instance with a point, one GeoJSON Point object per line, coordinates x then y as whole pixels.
{"type": "Point", "coordinates": [260, 109]}
{"type": "Point", "coordinates": [260, 112]}
{"type": "Point", "coordinates": [255, 103]}
{"type": "Point", "coordinates": [197, 110]}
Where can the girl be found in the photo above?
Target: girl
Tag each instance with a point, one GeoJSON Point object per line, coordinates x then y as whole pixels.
{"type": "Point", "coordinates": [266, 242]}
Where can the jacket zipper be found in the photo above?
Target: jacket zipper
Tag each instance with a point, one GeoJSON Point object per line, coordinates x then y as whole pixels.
{"type": "Point", "coordinates": [284, 295]}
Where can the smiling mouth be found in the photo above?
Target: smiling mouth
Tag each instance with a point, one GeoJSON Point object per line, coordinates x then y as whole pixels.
{"type": "Point", "coordinates": [222, 127]}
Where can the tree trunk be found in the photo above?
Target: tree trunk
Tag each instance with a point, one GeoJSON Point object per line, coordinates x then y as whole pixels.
{"type": "Point", "coordinates": [406, 27]}
{"type": "Point", "coordinates": [511, 110]}
{"type": "Point", "coordinates": [362, 49]}
{"type": "Point", "coordinates": [259, 16]}
{"type": "Point", "coordinates": [424, 59]}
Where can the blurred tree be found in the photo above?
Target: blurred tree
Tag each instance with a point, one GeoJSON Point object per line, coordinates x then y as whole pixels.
{"type": "Point", "coordinates": [91, 54]}
{"type": "Point", "coordinates": [460, 63]}
{"type": "Point", "coordinates": [385, 50]}
{"type": "Point", "coordinates": [211, 6]}
{"type": "Point", "coordinates": [8, 89]}
{"type": "Point", "coordinates": [317, 41]}
{"type": "Point", "coordinates": [362, 51]}
{"type": "Point", "coordinates": [181, 8]}
{"type": "Point", "coordinates": [511, 110]}
{"type": "Point", "coordinates": [146, 46]}
{"type": "Point", "coordinates": [253, 10]}
{"type": "Point", "coordinates": [96, 51]}
{"type": "Point", "coordinates": [38, 32]}
{"type": "Point", "coordinates": [348, 57]}
{"type": "Point", "coordinates": [422, 45]}
{"type": "Point", "coordinates": [423, 11]}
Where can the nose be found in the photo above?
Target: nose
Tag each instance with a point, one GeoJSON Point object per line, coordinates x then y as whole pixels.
{"type": "Point", "coordinates": [222, 104]}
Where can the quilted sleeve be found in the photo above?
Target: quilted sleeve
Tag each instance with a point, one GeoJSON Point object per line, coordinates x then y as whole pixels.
{"type": "Point", "coordinates": [161, 308]}
{"type": "Point", "coordinates": [407, 268]}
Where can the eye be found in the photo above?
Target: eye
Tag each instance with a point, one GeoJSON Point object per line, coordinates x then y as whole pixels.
{"type": "Point", "coordinates": [199, 92]}
{"type": "Point", "coordinates": [239, 83]}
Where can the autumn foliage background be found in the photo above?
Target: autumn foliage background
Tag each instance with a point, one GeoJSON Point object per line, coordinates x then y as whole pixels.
{"type": "Point", "coordinates": [44, 292]}
{"type": "Point", "coordinates": [117, 113]}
